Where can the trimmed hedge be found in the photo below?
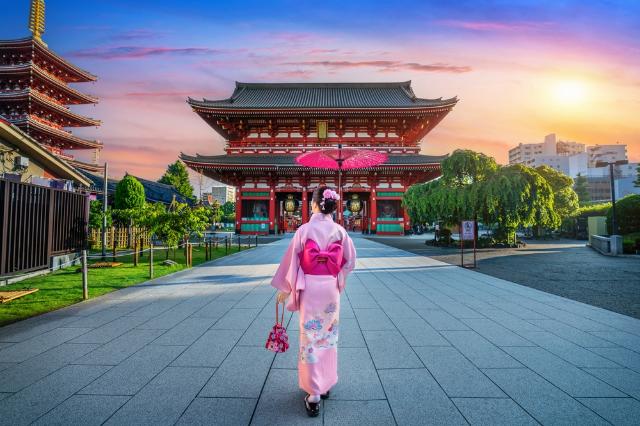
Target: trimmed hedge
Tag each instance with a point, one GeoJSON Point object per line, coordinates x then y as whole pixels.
{"type": "Point", "coordinates": [627, 215]}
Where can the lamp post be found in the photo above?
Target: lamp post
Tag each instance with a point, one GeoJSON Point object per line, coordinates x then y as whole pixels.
{"type": "Point", "coordinates": [614, 228]}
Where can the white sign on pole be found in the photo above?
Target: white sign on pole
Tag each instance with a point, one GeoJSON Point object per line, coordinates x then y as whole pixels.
{"type": "Point", "coordinates": [468, 230]}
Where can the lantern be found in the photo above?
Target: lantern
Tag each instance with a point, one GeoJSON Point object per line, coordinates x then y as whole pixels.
{"type": "Point", "coordinates": [290, 204]}
{"type": "Point", "coordinates": [355, 205]}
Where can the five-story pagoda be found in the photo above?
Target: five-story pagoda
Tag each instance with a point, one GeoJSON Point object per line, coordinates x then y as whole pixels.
{"type": "Point", "coordinates": [35, 93]}
{"type": "Point", "coordinates": [266, 125]}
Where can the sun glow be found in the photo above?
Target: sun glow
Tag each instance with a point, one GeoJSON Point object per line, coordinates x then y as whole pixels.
{"type": "Point", "coordinates": [569, 92]}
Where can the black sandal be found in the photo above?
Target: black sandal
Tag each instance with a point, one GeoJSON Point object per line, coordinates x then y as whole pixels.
{"type": "Point", "coordinates": [325, 395]}
{"type": "Point", "coordinates": [313, 408]}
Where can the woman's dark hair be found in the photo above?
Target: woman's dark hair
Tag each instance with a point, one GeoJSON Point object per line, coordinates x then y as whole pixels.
{"type": "Point", "coordinates": [330, 205]}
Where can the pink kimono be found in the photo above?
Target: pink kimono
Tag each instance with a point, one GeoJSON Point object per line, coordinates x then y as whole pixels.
{"type": "Point", "coordinates": [314, 270]}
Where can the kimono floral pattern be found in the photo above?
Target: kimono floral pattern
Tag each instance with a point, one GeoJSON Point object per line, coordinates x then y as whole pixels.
{"type": "Point", "coordinates": [316, 337]}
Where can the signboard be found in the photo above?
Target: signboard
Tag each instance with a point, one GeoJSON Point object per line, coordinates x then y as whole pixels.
{"type": "Point", "coordinates": [468, 230]}
{"type": "Point", "coordinates": [322, 129]}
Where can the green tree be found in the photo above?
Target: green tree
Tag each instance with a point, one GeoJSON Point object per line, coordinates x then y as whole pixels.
{"type": "Point", "coordinates": [627, 215]}
{"type": "Point", "coordinates": [565, 199]}
{"type": "Point", "coordinates": [580, 188]}
{"type": "Point", "coordinates": [180, 222]}
{"type": "Point", "coordinates": [516, 196]}
{"type": "Point", "coordinates": [129, 202]}
{"type": "Point", "coordinates": [636, 182]}
{"type": "Point", "coordinates": [96, 214]}
{"type": "Point", "coordinates": [178, 176]}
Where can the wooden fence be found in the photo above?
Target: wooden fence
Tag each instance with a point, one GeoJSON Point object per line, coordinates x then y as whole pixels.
{"type": "Point", "coordinates": [38, 222]}
{"type": "Point", "coordinates": [120, 235]}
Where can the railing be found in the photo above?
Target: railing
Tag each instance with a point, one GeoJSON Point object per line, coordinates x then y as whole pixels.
{"type": "Point", "coordinates": [602, 244]}
{"type": "Point", "coordinates": [37, 222]}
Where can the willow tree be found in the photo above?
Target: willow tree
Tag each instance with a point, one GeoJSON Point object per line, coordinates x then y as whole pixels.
{"type": "Point", "coordinates": [565, 199]}
{"type": "Point", "coordinates": [516, 196]}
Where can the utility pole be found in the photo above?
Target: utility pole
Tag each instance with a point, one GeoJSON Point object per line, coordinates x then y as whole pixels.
{"type": "Point", "coordinates": [104, 212]}
{"type": "Point", "coordinates": [614, 225]}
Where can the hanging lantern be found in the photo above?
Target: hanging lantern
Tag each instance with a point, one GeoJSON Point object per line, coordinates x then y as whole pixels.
{"type": "Point", "coordinates": [355, 205]}
{"type": "Point", "coordinates": [290, 204]}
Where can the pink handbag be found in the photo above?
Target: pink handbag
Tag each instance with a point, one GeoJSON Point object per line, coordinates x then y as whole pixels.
{"type": "Point", "coordinates": [278, 340]}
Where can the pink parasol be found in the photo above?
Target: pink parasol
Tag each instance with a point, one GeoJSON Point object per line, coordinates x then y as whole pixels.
{"type": "Point", "coordinates": [341, 159]}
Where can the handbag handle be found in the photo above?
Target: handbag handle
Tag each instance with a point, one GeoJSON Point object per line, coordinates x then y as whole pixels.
{"type": "Point", "coordinates": [282, 316]}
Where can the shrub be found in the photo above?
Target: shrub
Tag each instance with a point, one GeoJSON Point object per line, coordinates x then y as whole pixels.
{"type": "Point", "coordinates": [627, 215]}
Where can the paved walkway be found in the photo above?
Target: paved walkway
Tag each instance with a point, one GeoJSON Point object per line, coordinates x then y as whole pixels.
{"type": "Point", "coordinates": [422, 342]}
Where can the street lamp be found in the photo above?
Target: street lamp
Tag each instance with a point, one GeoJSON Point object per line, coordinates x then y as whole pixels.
{"type": "Point", "coordinates": [614, 229]}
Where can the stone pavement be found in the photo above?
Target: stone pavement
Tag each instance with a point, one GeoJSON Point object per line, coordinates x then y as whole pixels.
{"type": "Point", "coordinates": [422, 342]}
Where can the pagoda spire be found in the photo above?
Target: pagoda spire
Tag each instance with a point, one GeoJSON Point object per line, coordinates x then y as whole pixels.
{"type": "Point", "coordinates": [36, 19]}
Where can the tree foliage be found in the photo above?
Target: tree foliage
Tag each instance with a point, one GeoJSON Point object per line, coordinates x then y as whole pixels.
{"type": "Point", "coordinates": [627, 215]}
{"type": "Point", "coordinates": [228, 212]}
{"type": "Point", "coordinates": [565, 199]}
{"type": "Point", "coordinates": [178, 176]}
{"type": "Point", "coordinates": [96, 214]}
{"type": "Point", "coordinates": [129, 200]}
{"type": "Point", "coordinates": [581, 190]}
{"type": "Point", "coordinates": [636, 182]}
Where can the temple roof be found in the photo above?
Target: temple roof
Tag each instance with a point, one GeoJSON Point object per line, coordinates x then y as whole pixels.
{"type": "Point", "coordinates": [322, 95]}
{"type": "Point", "coordinates": [154, 191]}
{"type": "Point", "coordinates": [289, 160]}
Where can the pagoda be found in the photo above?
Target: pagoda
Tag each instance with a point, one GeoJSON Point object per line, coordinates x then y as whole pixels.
{"type": "Point", "coordinates": [35, 93]}
{"type": "Point", "coordinates": [266, 125]}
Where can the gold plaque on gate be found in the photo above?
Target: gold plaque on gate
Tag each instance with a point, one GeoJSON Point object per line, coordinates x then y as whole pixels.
{"type": "Point", "coordinates": [323, 128]}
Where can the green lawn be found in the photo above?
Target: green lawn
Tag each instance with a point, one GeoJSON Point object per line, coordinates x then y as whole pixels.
{"type": "Point", "coordinates": [64, 287]}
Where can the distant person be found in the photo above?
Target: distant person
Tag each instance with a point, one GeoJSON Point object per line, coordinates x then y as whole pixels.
{"type": "Point", "coordinates": [312, 276]}
{"type": "Point", "coordinates": [437, 237]}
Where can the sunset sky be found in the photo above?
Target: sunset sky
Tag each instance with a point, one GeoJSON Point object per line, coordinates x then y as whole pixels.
{"type": "Point", "coordinates": [522, 69]}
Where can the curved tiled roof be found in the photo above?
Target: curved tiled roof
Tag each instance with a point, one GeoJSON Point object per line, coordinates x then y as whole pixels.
{"type": "Point", "coordinates": [289, 160]}
{"type": "Point", "coordinates": [322, 95]}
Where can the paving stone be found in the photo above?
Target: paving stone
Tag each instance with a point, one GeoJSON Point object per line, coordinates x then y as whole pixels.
{"type": "Point", "coordinates": [373, 319]}
{"type": "Point", "coordinates": [136, 371]}
{"type": "Point", "coordinates": [185, 333]}
{"type": "Point", "coordinates": [154, 309]}
{"type": "Point", "coordinates": [357, 413]}
{"type": "Point", "coordinates": [459, 310]}
{"type": "Point", "coordinates": [218, 411]}
{"type": "Point", "coordinates": [357, 377]}
{"type": "Point", "coordinates": [414, 396]}
{"type": "Point", "coordinates": [289, 359]}
{"type": "Point", "coordinates": [441, 320]}
{"type": "Point", "coordinates": [25, 406]}
{"type": "Point", "coordinates": [5, 365]}
{"type": "Point", "coordinates": [214, 309]}
{"type": "Point", "coordinates": [83, 410]}
{"type": "Point", "coordinates": [419, 333]}
{"type": "Point", "coordinates": [572, 334]}
{"type": "Point", "coordinates": [241, 374]}
{"type": "Point", "coordinates": [457, 376]}
{"type": "Point", "coordinates": [210, 349]}
{"type": "Point", "coordinates": [567, 377]}
{"type": "Point", "coordinates": [618, 411]}
{"type": "Point", "coordinates": [622, 356]}
{"type": "Point", "coordinates": [398, 310]}
{"type": "Point", "coordinates": [510, 321]}
{"type": "Point", "coordinates": [496, 333]}
{"type": "Point", "coordinates": [389, 350]}
{"type": "Point", "coordinates": [624, 339]}
{"type": "Point", "coordinates": [163, 400]}
{"type": "Point", "coordinates": [22, 375]}
{"type": "Point", "coordinates": [281, 401]}
{"type": "Point", "coordinates": [32, 327]}
{"type": "Point", "coordinates": [350, 334]}
{"type": "Point", "coordinates": [493, 412]}
{"type": "Point", "coordinates": [39, 344]}
{"type": "Point", "coordinates": [236, 319]}
{"type": "Point", "coordinates": [4, 395]}
{"type": "Point", "coordinates": [623, 379]}
{"type": "Point", "coordinates": [256, 334]}
{"type": "Point", "coordinates": [110, 331]}
{"type": "Point", "coordinates": [119, 349]}
{"type": "Point", "coordinates": [361, 300]}
{"type": "Point", "coordinates": [568, 351]}
{"type": "Point", "coordinates": [480, 351]}
{"type": "Point", "coordinates": [545, 402]}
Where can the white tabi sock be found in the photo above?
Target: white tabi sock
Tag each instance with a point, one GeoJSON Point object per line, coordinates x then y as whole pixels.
{"type": "Point", "coordinates": [314, 398]}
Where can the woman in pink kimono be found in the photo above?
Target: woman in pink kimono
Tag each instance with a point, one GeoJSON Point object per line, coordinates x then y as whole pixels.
{"type": "Point", "coordinates": [312, 275]}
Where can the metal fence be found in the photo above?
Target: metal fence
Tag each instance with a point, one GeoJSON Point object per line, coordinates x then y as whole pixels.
{"type": "Point", "coordinates": [38, 222]}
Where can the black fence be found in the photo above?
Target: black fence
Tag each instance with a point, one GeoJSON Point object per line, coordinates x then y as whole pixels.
{"type": "Point", "coordinates": [38, 222]}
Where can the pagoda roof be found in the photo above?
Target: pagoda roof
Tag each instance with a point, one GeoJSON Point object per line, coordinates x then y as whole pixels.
{"type": "Point", "coordinates": [296, 96]}
{"type": "Point", "coordinates": [76, 73]}
{"type": "Point", "coordinates": [63, 136]}
{"type": "Point", "coordinates": [244, 160]}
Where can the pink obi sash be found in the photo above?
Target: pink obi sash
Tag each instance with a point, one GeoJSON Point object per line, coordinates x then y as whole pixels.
{"type": "Point", "coordinates": [314, 261]}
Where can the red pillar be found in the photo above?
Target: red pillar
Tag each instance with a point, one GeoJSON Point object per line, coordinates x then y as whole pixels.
{"type": "Point", "coordinates": [373, 210]}
{"type": "Point", "coordinates": [305, 205]}
{"type": "Point", "coordinates": [407, 221]}
{"type": "Point", "coordinates": [272, 210]}
{"type": "Point", "coordinates": [238, 209]}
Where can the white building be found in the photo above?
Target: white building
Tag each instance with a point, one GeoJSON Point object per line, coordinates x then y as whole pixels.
{"type": "Point", "coordinates": [223, 193]}
{"type": "Point", "coordinates": [608, 153]}
{"type": "Point", "coordinates": [599, 182]}
{"type": "Point", "coordinates": [570, 165]}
